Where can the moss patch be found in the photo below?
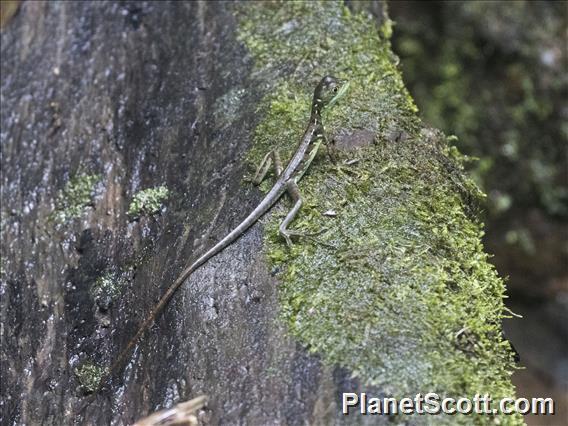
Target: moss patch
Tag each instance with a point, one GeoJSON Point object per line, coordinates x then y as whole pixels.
{"type": "Point", "coordinates": [75, 197]}
{"type": "Point", "coordinates": [89, 376]}
{"type": "Point", "coordinates": [148, 202]}
{"type": "Point", "coordinates": [397, 288]}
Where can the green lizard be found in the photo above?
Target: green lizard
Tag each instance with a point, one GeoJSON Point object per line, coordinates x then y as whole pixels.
{"type": "Point", "coordinates": [327, 92]}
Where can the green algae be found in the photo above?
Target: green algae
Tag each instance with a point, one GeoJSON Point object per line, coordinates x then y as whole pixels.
{"type": "Point", "coordinates": [396, 285]}
{"type": "Point", "coordinates": [148, 201]}
{"type": "Point", "coordinates": [75, 197]}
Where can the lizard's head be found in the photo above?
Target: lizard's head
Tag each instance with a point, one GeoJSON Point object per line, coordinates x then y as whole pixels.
{"type": "Point", "coordinates": [328, 91]}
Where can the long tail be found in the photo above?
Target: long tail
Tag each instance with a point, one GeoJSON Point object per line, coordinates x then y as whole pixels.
{"type": "Point", "coordinates": [266, 203]}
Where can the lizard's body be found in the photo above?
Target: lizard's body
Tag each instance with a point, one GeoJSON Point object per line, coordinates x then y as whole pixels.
{"type": "Point", "coordinates": [286, 182]}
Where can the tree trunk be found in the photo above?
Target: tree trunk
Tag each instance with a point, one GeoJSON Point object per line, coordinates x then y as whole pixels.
{"type": "Point", "coordinates": [127, 129]}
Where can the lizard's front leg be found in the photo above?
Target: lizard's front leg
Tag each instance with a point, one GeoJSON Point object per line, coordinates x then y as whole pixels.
{"type": "Point", "coordinates": [272, 156]}
{"type": "Point", "coordinates": [294, 192]}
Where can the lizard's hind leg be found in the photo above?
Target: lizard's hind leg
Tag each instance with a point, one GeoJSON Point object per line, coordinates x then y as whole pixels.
{"type": "Point", "coordinates": [271, 157]}
{"type": "Point", "coordinates": [277, 163]}
{"type": "Point", "coordinates": [294, 192]}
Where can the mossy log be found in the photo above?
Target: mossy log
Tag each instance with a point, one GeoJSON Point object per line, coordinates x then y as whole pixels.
{"type": "Point", "coordinates": [128, 131]}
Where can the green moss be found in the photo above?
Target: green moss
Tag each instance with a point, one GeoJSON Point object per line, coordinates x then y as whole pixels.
{"type": "Point", "coordinates": [89, 376]}
{"type": "Point", "coordinates": [75, 197]}
{"type": "Point", "coordinates": [148, 202]}
{"type": "Point", "coordinates": [397, 288]}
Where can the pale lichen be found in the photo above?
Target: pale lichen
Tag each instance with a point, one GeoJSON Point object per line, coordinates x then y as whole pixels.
{"type": "Point", "coordinates": [106, 289]}
{"type": "Point", "coordinates": [89, 376]}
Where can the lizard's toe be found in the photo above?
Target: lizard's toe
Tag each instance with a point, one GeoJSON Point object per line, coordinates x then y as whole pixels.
{"type": "Point", "coordinates": [286, 237]}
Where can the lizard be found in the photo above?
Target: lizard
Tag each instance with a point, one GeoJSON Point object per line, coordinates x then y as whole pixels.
{"type": "Point", "coordinates": [326, 93]}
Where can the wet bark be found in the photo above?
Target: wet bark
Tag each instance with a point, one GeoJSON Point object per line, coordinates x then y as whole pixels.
{"type": "Point", "coordinates": [130, 93]}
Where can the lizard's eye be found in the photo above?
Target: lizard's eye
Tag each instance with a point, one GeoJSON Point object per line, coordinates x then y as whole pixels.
{"type": "Point", "coordinates": [335, 89]}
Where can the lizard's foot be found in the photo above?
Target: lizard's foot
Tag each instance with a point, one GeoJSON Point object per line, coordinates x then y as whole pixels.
{"type": "Point", "coordinates": [272, 157]}
{"type": "Point", "coordinates": [288, 234]}
{"type": "Point", "coordinates": [345, 167]}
